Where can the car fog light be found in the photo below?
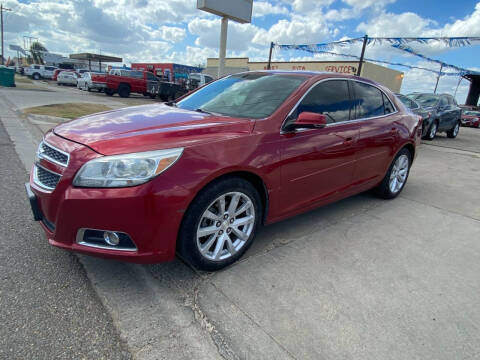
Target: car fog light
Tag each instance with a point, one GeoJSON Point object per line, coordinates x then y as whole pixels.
{"type": "Point", "coordinates": [111, 238]}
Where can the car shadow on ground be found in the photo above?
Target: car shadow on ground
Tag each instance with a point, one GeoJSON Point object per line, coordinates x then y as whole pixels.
{"type": "Point", "coordinates": [273, 236]}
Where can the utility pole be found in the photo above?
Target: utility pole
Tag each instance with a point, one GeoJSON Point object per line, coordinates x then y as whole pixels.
{"type": "Point", "coordinates": [365, 40]}
{"type": "Point", "coordinates": [438, 78]}
{"type": "Point", "coordinates": [2, 9]}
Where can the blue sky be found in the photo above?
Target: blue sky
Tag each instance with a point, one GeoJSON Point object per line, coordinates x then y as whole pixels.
{"type": "Point", "coordinates": [174, 30]}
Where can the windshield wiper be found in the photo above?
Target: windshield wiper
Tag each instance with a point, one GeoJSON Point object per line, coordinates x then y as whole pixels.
{"type": "Point", "coordinates": [171, 103]}
{"type": "Point", "coordinates": [200, 110]}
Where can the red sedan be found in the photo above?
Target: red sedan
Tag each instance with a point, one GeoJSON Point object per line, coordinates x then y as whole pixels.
{"type": "Point", "coordinates": [201, 175]}
{"type": "Point", "coordinates": [471, 118]}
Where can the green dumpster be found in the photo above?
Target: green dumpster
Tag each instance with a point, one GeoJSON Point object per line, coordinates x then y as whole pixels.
{"type": "Point", "coordinates": [7, 76]}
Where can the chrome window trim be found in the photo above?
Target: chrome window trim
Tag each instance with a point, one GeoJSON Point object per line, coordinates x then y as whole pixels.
{"type": "Point", "coordinates": [48, 158]}
{"type": "Point", "coordinates": [340, 122]}
{"type": "Point", "coordinates": [81, 232]}
{"type": "Point", "coordinates": [37, 181]}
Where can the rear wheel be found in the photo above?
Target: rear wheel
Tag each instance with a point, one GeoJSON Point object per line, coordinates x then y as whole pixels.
{"type": "Point", "coordinates": [36, 76]}
{"type": "Point", "coordinates": [452, 133]}
{"type": "Point", "coordinates": [396, 177]}
{"type": "Point", "coordinates": [124, 90]}
{"type": "Point", "coordinates": [221, 224]}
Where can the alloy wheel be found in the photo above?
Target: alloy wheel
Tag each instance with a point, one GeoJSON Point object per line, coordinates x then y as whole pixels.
{"type": "Point", "coordinates": [225, 226]}
{"type": "Point", "coordinates": [399, 173]}
{"type": "Point", "coordinates": [433, 130]}
{"type": "Point", "coordinates": [456, 129]}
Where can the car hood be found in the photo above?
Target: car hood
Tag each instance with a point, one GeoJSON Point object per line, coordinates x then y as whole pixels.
{"type": "Point", "coordinates": [150, 127]}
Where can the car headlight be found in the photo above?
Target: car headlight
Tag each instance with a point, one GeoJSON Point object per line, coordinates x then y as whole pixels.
{"type": "Point", "coordinates": [126, 170]}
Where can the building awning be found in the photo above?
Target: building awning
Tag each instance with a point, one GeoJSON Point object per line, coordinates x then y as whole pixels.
{"type": "Point", "coordinates": [95, 57]}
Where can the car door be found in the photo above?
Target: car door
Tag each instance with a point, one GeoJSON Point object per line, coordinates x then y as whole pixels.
{"type": "Point", "coordinates": [319, 163]}
{"type": "Point", "coordinates": [444, 114]}
{"type": "Point", "coordinates": [378, 133]}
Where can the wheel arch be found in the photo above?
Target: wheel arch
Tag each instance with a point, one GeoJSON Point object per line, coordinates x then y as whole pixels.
{"type": "Point", "coordinates": [249, 176]}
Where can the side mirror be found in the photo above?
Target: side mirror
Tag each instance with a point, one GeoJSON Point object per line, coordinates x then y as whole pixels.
{"type": "Point", "coordinates": [308, 120]}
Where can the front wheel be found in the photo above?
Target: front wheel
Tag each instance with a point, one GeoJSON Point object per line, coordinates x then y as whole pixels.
{"type": "Point", "coordinates": [109, 92]}
{"type": "Point", "coordinates": [432, 131]}
{"type": "Point", "coordinates": [396, 177]}
{"type": "Point", "coordinates": [452, 133]}
{"type": "Point", "coordinates": [221, 224]}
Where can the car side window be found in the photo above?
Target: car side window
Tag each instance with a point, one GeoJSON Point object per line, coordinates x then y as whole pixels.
{"type": "Point", "coordinates": [330, 98]}
{"type": "Point", "coordinates": [388, 105]}
{"type": "Point", "coordinates": [150, 76]}
{"type": "Point", "coordinates": [368, 101]}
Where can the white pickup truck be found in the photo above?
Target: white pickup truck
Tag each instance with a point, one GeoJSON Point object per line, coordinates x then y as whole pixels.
{"type": "Point", "coordinates": [38, 72]}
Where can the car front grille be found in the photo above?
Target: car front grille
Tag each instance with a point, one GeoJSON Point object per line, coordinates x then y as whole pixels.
{"type": "Point", "coordinates": [45, 178]}
{"type": "Point", "coordinates": [52, 154]}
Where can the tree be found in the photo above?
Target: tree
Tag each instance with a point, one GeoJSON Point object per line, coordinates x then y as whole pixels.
{"type": "Point", "coordinates": [37, 49]}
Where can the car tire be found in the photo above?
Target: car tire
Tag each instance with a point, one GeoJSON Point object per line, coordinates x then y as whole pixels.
{"type": "Point", "coordinates": [152, 96]}
{"type": "Point", "coordinates": [109, 92]}
{"type": "Point", "coordinates": [223, 242]}
{"type": "Point", "coordinates": [453, 132]}
{"type": "Point", "coordinates": [124, 91]}
{"type": "Point", "coordinates": [36, 76]}
{"type": "Point", "coordinates": [88, 88]}
{"type": "Point", "coordinates": [396, 176]}
{"type": "Point", "coordinates": [432, 131]}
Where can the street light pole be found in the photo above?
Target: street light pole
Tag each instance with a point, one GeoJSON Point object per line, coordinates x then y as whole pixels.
{"type": "Point", "coordinates": [223, 47]}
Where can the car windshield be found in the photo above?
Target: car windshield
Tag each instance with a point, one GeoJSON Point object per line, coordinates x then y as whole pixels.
{"type": "Point", "coordinates": [425, 100]}
{"type": "Point", "coordinates": [474, 113]}
{"type": "Point", "coordinates": [249, 95]}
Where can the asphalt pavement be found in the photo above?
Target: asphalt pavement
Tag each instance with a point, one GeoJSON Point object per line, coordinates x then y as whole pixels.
{"type": "Point", "coordinates": [48, 308]}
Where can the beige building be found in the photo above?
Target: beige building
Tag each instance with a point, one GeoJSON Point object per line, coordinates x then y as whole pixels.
{"type": "Point", "coordinates": [383, 75]}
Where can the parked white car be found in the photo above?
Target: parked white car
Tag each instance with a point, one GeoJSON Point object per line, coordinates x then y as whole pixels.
{"type": "Point", "coordinates": [196, 80]}
{"type": "Point", "coordinates": [67, 78]}
{"type": "Point", "coordinates": [38, 72]}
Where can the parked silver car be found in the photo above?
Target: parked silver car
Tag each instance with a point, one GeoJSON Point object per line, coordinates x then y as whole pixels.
{"type": "Point", "coordinates": [88, 81]}
{"type": "Point", "coordinates": [67, 78]}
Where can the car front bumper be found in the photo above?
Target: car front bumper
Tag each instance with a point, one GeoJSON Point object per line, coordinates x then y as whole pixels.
{"type": "Point", "coordinates": [150, 214]}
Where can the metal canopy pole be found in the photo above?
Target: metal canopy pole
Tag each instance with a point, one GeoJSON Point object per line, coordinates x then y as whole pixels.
{"type": "Point", "coordinates": [223, 47]}
{"type": "Point", "coordinates": [269, 65]}
{"type": "Point", "coordinates": [365, 40]}
{"type": "Point", "coordinates": [438, 78]}
{"type": "Point", "coordinates": [456, 89]}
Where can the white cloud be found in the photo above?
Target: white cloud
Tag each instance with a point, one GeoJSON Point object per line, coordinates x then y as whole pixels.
{"type": "Point", "coordinates": [263, 8]}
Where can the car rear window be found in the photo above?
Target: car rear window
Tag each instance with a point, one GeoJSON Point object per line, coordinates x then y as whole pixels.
{"type": "Point", "coordinates": [426, 100]}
